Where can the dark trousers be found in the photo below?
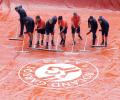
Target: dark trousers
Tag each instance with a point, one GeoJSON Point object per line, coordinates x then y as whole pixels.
{"type": "Point", "coordinates": [94, 37]}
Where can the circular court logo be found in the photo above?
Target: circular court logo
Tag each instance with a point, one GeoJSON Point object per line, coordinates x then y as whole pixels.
{"type": "Point", "coordinates": [57, 75]}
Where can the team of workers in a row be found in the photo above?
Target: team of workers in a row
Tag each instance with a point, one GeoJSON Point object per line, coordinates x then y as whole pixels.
{"type": "Point", "coordinates": [47, 28]}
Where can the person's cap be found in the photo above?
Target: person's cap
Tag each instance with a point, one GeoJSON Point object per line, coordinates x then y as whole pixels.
{"type": "Point", "coordinates": [60, 18]}
{"type": "Point", "coordinates": [18, 7]}
{"type": "Point", "coordinates": [54, 19]}
{"type": "Point", "coordinates": [38, 17]}
{"type": "Point", "coordinates": [100, 18]}
{"type": "Point", "coordinates": [91, 17]}
{"type": "Point", "coordinates": [74, 13]}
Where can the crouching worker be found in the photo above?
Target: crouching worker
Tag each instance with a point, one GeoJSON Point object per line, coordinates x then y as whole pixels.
{"type": "Point", "coordinates": [75, 27]}
{"type": "Point", "coordinates": [22, 14]}
{"type": "Point", "coordinates": [104, 29]}
{"type": "Point", "coordinates": [63, 30]}
{"type": "Point", "coordinates": [29, 23]}
{"type": "Point", "coordinates": [50, 25]}
{"type": "Point", "coordinates": [40, 29]}
{"type": "Point", "coordinates": [92, 24]}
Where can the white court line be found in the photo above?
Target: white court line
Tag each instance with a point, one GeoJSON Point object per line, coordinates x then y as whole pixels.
{"type": "Point", "coordinates": [71, 53]}
{"type": "Point", "coordinates": [9, 46]}
{"type": "Point", "coordinates": [90, 51]}
{"type": "Point", "coordinates": [114, 48]}
{"type": "Point", "coordinates": [105, 49]}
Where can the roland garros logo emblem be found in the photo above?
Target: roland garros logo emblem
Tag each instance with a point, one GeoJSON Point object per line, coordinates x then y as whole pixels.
{"type": "Point", "coordinates": [58, 75]}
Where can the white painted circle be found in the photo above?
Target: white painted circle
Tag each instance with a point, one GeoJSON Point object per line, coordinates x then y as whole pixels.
{"type": "Point", "coordinates": [50, 73]}
{"type": "Point", "coordinates": [58, 72]}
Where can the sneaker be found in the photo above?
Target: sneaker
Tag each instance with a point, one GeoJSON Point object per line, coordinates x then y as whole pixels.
{"type": "Point", "coordinates": [25, 32]}
{"type": "Point", "coordinates": [20, 35]}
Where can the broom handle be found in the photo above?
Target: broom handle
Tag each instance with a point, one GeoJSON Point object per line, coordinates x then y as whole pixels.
{"type": "Point", "coordinates": [85, 43]}
{"type": "Point", "coordinates": [98, 40]}
{"type": "Point", "coordinates": [23, 42]}
{"type": "Point", "coordinates": [57, 41]}
{"type": "Point", "coordinates": [17, 30]}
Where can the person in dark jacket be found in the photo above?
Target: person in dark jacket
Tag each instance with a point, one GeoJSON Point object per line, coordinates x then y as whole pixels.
{"type": "Point", "coordinates": [50, 25]}
{"type": "Point", "coordinates": [29, 23]}
{"type": "Point", "coordinates": [22, 14]}
{"type": "Point", "coordinates": [92, 24]}
{"type": "Point", "coordinates": [104, 29]}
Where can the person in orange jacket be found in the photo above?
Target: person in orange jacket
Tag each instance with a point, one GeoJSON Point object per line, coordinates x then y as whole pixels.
{"type": "Point", "coordinates": [40, 30]}
{"type": "Point", "coordinates": [63, 30]}
{"type": "Point", "coordinates": [75, 26]}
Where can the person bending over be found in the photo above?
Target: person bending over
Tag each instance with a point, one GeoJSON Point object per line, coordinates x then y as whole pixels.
{"type": "Point", "coordinates": [104, 29]}
{"type": "Point", "coordinates": [50, 25]}
{"type": "Point", "coordinates": [93, 25]}
{"type": "Point", "coordinates": [40, 29]}
{"type": "Point", "coordinates": [22, 14]}
{"type": "Point", "coordinates": [63, 30]}
{"type": "Point", "coordinates": [29, 23]}
{"type": "Point", "coordinates": [75, 27]}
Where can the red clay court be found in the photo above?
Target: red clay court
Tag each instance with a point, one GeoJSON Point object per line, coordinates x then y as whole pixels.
{"type": "Point", "coordinates": [73, 74]}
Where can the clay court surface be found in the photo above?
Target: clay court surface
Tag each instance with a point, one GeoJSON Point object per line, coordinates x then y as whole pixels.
{"type": "Point", "coordinates": [90, 75]}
